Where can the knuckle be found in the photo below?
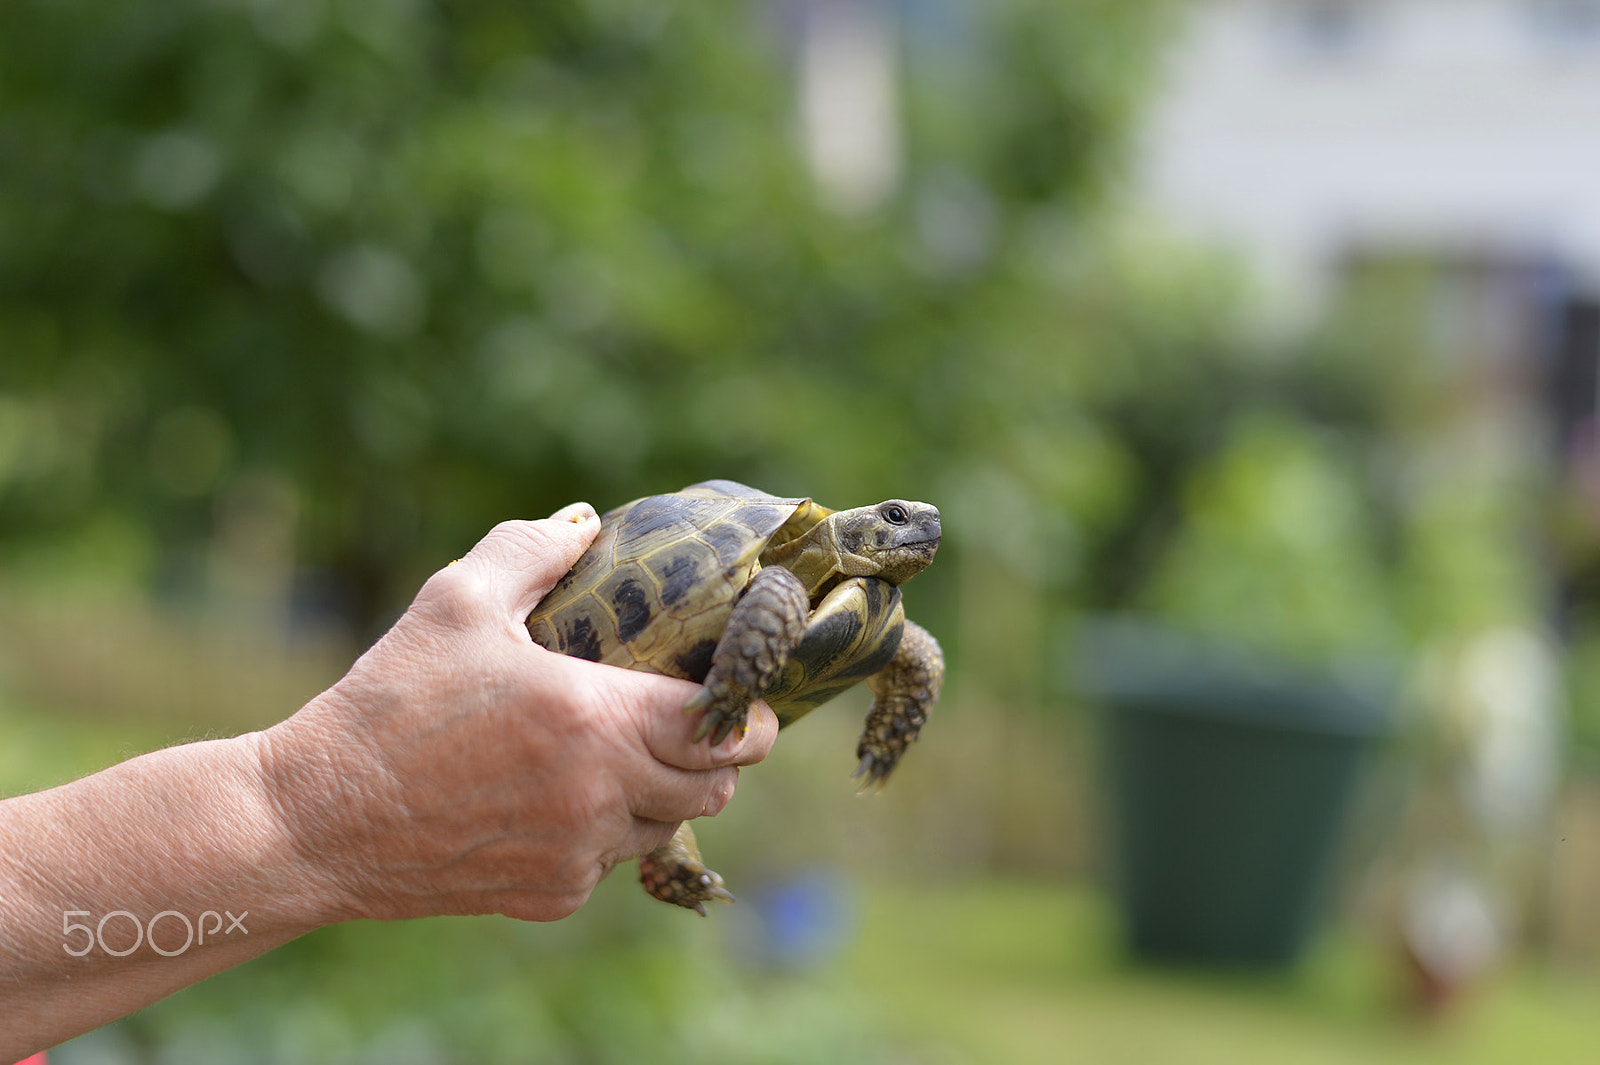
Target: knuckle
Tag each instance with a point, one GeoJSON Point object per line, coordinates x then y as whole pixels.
{"type": "Point", "coordinates": [720, 792]}
{"type": "Point", "coordinates": [521, 538]}
{"type": "Point", "coordinates": [572, 875]}
{"type": "Point", "coordinates": [570, 903]}
{"type": "Point", "coordinates": [548, 906]}
{"type": "Point", "coordinates": [512, 527]}
{"type": "Point", "coordinates": [455, 592]}
{"type": "Point", "coordinates": [660, 835]}
{"type": "Point", "coordinates": [574, 879]}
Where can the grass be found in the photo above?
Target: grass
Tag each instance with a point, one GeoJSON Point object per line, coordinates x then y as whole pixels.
{"type": "Point", "coordinates": [997, 973]}
{"type": "Point", "coordinates": [1030, 973]}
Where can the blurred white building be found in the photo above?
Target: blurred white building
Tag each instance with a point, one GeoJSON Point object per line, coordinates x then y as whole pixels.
{"type": "Point", "coordinates": [1314, 138]}
{"type": "Point", "coordinates": [849, 104]}
{"type": "Point", "coordinates": [1296, 130]}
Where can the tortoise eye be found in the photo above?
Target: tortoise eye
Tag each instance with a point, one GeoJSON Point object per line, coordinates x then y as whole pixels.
{"type": "Point", "coordinates": [895, 514]}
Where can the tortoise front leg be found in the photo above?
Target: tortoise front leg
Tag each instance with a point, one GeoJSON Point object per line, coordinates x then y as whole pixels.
{"type": "Point", "coordinates": [764, 627]}
{"type": "Point", "coordinates": [903, 693]}
{"type": "Point", "coordinates": [675, 873]}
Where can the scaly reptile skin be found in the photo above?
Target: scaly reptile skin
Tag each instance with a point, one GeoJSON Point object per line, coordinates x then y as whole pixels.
{"type": "Point", "coordinates": [765, 624]}
{"type": "Point", "coordinates": [902, 695]}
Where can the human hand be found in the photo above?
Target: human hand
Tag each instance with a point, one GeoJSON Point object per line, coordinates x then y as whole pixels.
{"type": "Point", "coordinates": [460, 768]}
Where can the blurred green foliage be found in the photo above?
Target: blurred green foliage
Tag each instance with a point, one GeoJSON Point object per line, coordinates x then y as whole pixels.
{"type": "Point", "coordinates": [332, 287]}
{"type": "Point", "coordinates": [402, 269]}
{"type": "Point", "coordinates": [338, 285]}
{"type": "Point", "coordinates": [1278, 520]}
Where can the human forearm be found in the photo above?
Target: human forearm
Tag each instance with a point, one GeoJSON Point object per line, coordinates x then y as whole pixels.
{"type": "Point", "coordinates": [176, 858]}
{"type": "Point", "coordinates": [457, 768]}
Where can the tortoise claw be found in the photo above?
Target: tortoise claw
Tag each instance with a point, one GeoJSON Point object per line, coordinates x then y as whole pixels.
{"type": "Point", "coordinates": [716, 891]}
{"type": "Point", "coordinates": [724, 728]}
{"type": "Point", "coordinates": [718, 721]}
{"type": "Point", "coordinates": [682, 880]}
{"type": "Point", "coordinates": [873, 772]}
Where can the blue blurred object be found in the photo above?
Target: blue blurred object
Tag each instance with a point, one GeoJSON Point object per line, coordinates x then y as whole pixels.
{"type": "Point", "coordinates": [799, 921]}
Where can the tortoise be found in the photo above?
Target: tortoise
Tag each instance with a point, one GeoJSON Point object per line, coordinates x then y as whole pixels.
{"type": "Point", "coordinates": [755, 596]}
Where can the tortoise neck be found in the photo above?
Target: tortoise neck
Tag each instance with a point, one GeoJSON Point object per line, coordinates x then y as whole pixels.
{"type": "Point", "coordinates": [815, 558]}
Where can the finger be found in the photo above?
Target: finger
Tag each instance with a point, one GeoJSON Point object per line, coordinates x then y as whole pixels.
{"type": "Point", "coordinates": [645, 836]}
{"type": "Point", "coordinates": [573, 512]}
{"type": "Point", "coordinates": [630, 697]}
{"type": "Point", "coordinates": [666, 794]}
{"type": "Point", "coordinates": [524, 559]}
{"type": "Point", "coordinates": [761, 729]}
{"type": "Point", "coordinates": [669, 735]}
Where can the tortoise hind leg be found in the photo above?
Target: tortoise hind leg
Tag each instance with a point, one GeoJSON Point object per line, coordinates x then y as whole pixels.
{"type": "Point", "coordinates": [675, 873]}
{"type": "Point", "coordinates": [764, 627]}
{"type": "Point", "coordinates": [902, 694]}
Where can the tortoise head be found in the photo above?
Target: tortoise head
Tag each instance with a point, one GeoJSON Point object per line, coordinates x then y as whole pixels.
{"type": "Point", "coordinates": [893, 540]}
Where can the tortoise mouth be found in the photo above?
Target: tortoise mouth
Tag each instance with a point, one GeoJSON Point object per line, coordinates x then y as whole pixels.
{"type": "Point", "coordinates": [921, 550]}
{"type": "Point", "coordinates": [907, 559]}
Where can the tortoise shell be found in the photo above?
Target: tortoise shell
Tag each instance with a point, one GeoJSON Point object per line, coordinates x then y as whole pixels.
{"type": "Point", "coordinates": [655, 589]}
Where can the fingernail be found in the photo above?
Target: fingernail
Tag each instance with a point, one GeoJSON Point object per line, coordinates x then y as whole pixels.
{"type": "Point", "coordinates": [577, 513]}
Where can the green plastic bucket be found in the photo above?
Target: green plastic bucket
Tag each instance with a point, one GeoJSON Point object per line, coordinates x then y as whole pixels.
{"type": "Point", "coordinates": [1227, 781]}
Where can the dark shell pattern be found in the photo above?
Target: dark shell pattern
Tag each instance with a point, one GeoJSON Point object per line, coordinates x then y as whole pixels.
{"type": "Point", "coordinates": [655, 589]}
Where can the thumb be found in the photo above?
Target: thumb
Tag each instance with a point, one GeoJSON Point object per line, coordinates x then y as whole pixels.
{"type": "Point", "coordinates": [524, 559]}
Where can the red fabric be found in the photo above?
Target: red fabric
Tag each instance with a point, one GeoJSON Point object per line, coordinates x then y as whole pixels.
{"type": "Point", "coordinates": [37, 1059]}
